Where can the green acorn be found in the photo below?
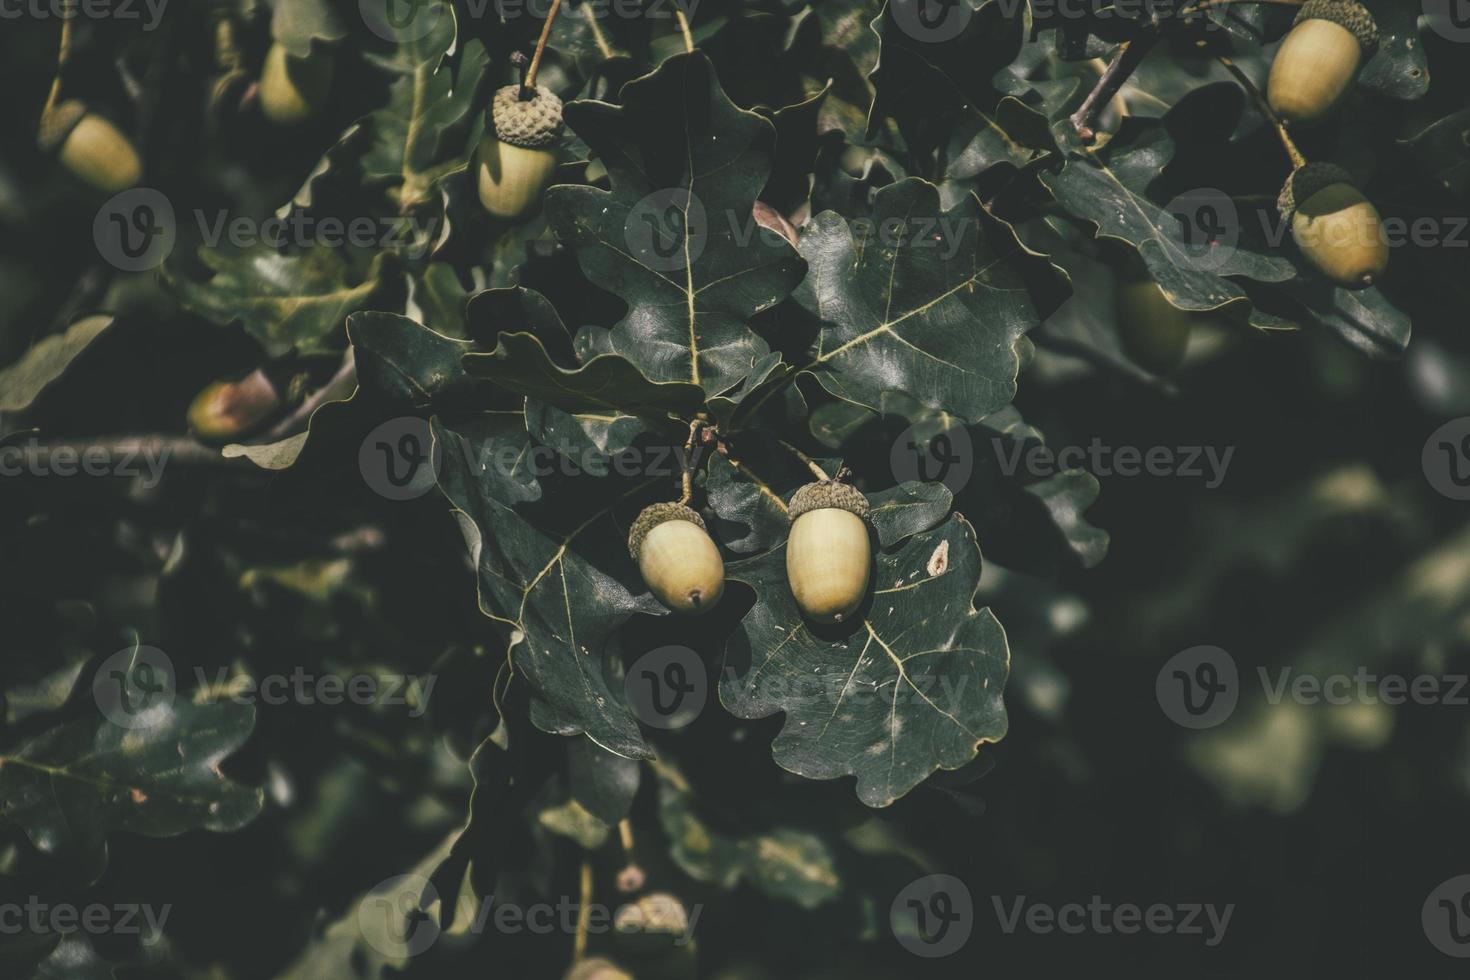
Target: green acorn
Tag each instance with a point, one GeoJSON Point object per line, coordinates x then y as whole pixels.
{"type": "Point", "coordinates": [1317, 61]}
{"type": "Point", "coordinates": [515, 164]}
{"type": "Point", "coordinates": [292, 90]}
{"type": "Point", "coordinates": [677, 558]}
{"type": "Point", "coordinates": [90, 147]}
{"type": "Point", "coordinates": [828, 557]}
{"type": "Point", "coordinates": [1337, 229]}
{"type": "Point", "coordinates": [1154, 331]}
{"type": "Point", "coordinates": [227, 410]}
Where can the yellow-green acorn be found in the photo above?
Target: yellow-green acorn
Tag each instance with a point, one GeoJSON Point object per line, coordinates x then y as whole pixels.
{"type": "Point", "coordinates": [516, 161]}
{"type": "Point", "coordinates": [227, 410]}
{"type": "Point", "coordinates": [90, 147]}
{"type": "Point", "coordinates": [677, 558]}
{"type": "Point", "coordinates": [597, 968]}
{"type": "Point", "coordinates": [1154, 331]}
{"type": "Point", "coordinates": [828, 558]}
{"type": "Point", "coordinates": [1317, 61]}
{"type": "Point", "coordinates": [1337, 229]}
{"type": "Point", "coordinates": [292, 89]}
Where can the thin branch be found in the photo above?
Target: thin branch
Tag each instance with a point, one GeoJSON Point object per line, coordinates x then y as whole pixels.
{"type": "Point", "coordinates": [1125, 62]}
{"type": "Point", "coordinates": [820, 473]}
{"type": "Point", "coordinates": [686, 477]}
{"type": "Point", "coordinates": [111, 455]}
{"type": "Point", "coordinates": [684, 28]}
{"type": "Point", "coordinates": [1297, 160]}
{"type": "Point", "coordinates": [528, 86]}
{"type": "Point", "coordinates": [63, 52]}
{"type": "Point", "coordinates": [343, 380]}
{"type": "Point", "coordinates": [584, 915]}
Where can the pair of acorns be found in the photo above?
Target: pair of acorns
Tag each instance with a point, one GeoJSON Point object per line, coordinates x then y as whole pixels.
{"type": "Point", "coordinates": [828, 556]}
{"type": "Point", "coordinates": [1337, 229]}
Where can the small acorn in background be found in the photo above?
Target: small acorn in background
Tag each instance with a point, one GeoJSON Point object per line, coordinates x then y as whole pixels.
{"type": "Point", "coordinates": [227, 410]}
{"type": "Point", "coordinates": [515, 163]}
{"type": "Point", "coordinates": [828, 557]}
{"type": "Point", "coordinates": [678, 560]}
{"type": "Point", "coordinates": [597, 968]}
{"type": "Point", "coordinates": [1319, 58]}
{"type": "Point", "coordinates": [292, 90]}
{"type": "Point", "coordinates": [1337, 229]}
{"type": "Point", "coordinates": [1154, 331]}
{"type": "Point", "coordinates": [90, 147]}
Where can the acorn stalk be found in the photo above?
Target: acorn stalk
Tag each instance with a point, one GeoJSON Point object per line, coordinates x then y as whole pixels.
{"type": "Point", "coordinates": [90, 147]}
{"type": "Point", "coordinates": [1319, 58]}
{"type": "Point", "coordinates": [516, 160]}
{"type": "Point", "coordinates": [1337, 229]}
{"type": "Point", "coordinates": [828, 556]}
{"type": "Point", "coordinates": [292, 90]}
{"type": "Point", "coordinates": [677, 559]}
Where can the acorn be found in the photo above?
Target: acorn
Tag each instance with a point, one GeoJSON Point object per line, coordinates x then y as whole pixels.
{"type": "Point", "coordinates": [677, 558]}
{"type": "Point", "coordinates": [292, 89]}
{"type": "Point", "coordinates": [515, 163]}
{"type": "Point", "coordinates": [1317, 61]}
{"type": "Point", "coordinates": [1154, 331]}
{"type": "Point", "coordinates": [227, 410]}
{"type": "Point", "coordinates": [828, 558]}
{"type": "Point", "coordinates": [1337, 229]}
{"type": "Point", "coordinates": [597, 968]}
{"type": "Point", "coordinates": [90, 147]}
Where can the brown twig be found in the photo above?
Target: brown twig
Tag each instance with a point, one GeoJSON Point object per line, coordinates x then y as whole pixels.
{"type": "Point", "coordinates": [820, 473]}
{"type": "Point", "coordinates": [1297, 160]}
{"type": "Point", "coordinates": [1125, 62]}
{"type": "Point", "coordinates": [528, 85]}
{"type": "Point", "coordinates": [686, 477]}
{"type": "Point", "coordinates": [584, 915]}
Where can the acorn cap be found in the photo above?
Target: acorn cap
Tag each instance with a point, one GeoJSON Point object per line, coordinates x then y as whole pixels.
{"type": "Point", "coordinates": [58, 122]}
{"type": "Point", "coordinates": [530, 123]}
{"type": "Point", "coordinates": [1305, 181]}
{"type": "Point", "coordinates": [826, 494]}
{"type": "Point", "coordinates": [655, 514]}
{"type": "Point", "coordinates": [1345, 13]}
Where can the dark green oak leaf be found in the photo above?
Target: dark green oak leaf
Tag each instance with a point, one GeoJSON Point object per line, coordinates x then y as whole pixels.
{"type": "Point", "coordinates": [72, 787]}
{"type": "Point", "coordinates": [748, 489]}
{"type": "Point", "coordinates": [782, 862]}
{"type": "Point", "coordinates": [925, 301]}
{"type": "Point", "coordinates": [1399, 66]}
{"type": "Point", "coordinates": [603, 783]}
{"type": "Point", "coordinates": [286, 301]}
{"type": "Point", "coordinates": [907, 509]}
{"type": "Point", "coordinates": [675, 238]}
{"type": "Point", "coordinates": [557, 572]}
{"type": "Point", "coordinates": [296, 24]}
{"type": "Point", "coordinates": [913, 685]}
{"type": "Point", "coordinates": [433, 118]}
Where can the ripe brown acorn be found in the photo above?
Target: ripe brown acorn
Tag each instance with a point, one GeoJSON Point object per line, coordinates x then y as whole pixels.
{"type": "Point", "coordinates": [227, 410]}
{"type": "Point", "coordinates": [1154, 331]}
{"type": "Point", "coordinates": [292, 90]}
{"type": "Point", "coordinates": [1317, 61]}
{"type": "Point", "coordinates": [90, 147]}
{"type": "Point", "coordinates": [828, 557]}
{"type": "Point", "coordinates": [678, 560]}
{"type": "Point", "coordinates": [1336, 228]}
{"type": "Point", "coordinates": [516, 161]}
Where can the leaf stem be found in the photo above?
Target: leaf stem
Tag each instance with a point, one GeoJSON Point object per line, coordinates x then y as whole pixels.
{"type": "Point", "coordinates": [686, 477]}
{"type": "Point", "coordinates": [1297, 160]}
{"type": "Point", "coordinates": [63, 52]}
{"type": "Point", "coordinates": [820, 473]}
{"type": "Point", "coordinates": [684, 28]}
{"type": "Point", "coordinates": [528, 84]}
{"type": "Point", "coordinates": [584, 915]}
{"type": "Point", "coordinates": [1125, 62]}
